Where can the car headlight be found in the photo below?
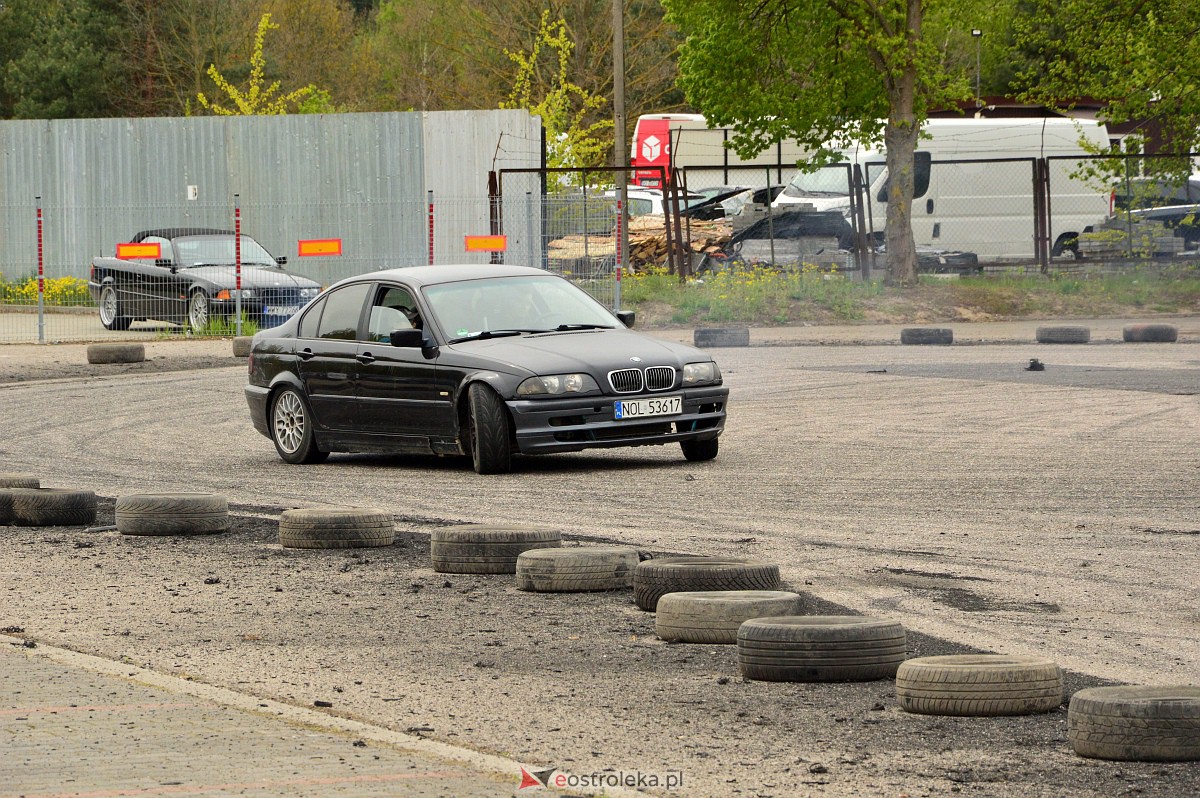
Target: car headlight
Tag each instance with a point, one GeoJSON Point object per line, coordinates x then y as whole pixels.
{"type": "Point", "coordinates": [557, 385]}
{"type": "Point", "coordinates": [309, 293]}
{"type": "Point", "coordinates": [701, 373]}
{"type": "Point", "coordinates": [247, 293]}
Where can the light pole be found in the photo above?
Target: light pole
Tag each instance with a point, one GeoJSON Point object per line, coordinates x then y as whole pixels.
{"type": "Point", "coordinates": [977, 35]}
{"type": "Point", "coordinates": [620, 151]}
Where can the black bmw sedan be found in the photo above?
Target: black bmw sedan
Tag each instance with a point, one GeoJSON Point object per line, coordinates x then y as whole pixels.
{"type": "Point", "coordinates": [484, 361]}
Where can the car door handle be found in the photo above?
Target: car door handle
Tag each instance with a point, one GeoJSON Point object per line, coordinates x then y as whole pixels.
{"type": "Point", "coordinates": [366, 358]}
{"type": "Point", "coordinates": [305, 354]}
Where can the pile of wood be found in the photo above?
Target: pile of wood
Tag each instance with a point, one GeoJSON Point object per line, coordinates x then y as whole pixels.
{"type": "Point", "coordinates": [648, 239]}
{"type": "Point", "coordinates": [580, 254]}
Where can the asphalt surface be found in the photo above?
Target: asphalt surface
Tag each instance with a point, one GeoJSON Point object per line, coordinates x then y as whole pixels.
{"type": "Point", "coordinates": [987, 507]}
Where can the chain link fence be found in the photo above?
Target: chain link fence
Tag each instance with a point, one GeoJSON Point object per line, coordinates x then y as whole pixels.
{"type": "Point", "coordinates": [968, 216]}
{"type": "Point", "coordinates": [189, 275]}
{"type": "Point", "coordinates": [137, 271]}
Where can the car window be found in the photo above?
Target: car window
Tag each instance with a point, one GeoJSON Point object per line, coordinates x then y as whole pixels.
{"type": "Point", "coordinates": [312, 319]}
{"type": "Point", "coordinates": [164, 252]}
{"type": "Point", "coordinates": [513, 303]}
{"type": "Point", "coordinates": [343, 309]}
{"type": "Point", "coordinates": [640, 207]}
{"type": "Point", "coordinates": [393, 309]}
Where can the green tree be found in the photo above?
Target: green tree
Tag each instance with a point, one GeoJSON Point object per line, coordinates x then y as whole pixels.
{"type": "Point", "coordinates": [1141, 57]}
{"type": "Point", "coordinates": [61, 64]}
{"type": "Point", "coordinates": [547, 91]}
{"type": "Point", "coordinates": [259, 96]}
{"type": "Point", "coordinates": [451, 54]}
{"type": "Point", "coordinates": [829, 73]}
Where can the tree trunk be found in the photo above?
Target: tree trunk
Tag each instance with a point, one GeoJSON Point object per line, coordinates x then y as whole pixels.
{"type": "Point", "coordinates": [900, 136]}
{"type": "Point", "coordinates": [901, 142]}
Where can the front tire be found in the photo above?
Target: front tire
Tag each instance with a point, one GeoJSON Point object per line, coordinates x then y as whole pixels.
{"type": "Point", "coordinates": [292, 429]}
{"type": "Point", "coordinates": [110, 310]}
{"type": "Point", "coordinates": [697, 451]}
{"type": "Point", "coordinates": [198, 311]}
{"type": "Point", "coordinates": [488, 431]}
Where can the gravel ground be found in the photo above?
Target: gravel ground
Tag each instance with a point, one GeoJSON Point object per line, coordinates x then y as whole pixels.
{"type": "Point", "coordinates": [581, 680]}
{"type": "Point", "coordinates": [1056, 514]}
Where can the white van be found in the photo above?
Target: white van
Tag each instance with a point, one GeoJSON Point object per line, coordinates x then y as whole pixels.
{"type": "Point", "coordinates": [984, 206]}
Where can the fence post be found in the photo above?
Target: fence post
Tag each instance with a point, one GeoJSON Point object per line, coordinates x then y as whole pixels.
{"type": "Point", "coordinates": [430, 193]}
{"type": "Point", "coordinates": [41, 277]}
{"type": "Point", "coordinates": [237, 261]}
{"type": "Point", "coordinates": [494, 213]}
{"type": "Point", "coordinates": [529, 226]}
{"type": "Point", "coordinates": [620, 254]}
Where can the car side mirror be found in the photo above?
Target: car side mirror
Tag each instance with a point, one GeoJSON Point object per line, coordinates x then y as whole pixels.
{"type": "Point", "coordinates": [407, 338]}
{"type": "Point", "coordinates": [281, 260]}
{"type": "Point", "coordinates": [626, 317]}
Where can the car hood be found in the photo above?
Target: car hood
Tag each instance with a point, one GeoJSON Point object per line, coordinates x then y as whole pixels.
{"type": "Point", "coordinates": [252, 276]}
{"type": "Point", "coordinates": [594, 351]}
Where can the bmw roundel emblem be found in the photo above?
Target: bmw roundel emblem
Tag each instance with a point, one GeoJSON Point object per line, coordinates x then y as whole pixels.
{"type": "Point", "coordinates": [636, 359]}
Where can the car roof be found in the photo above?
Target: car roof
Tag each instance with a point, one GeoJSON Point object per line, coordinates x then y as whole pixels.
{"type": "Point", "coordinates": [176, 232]}
{"type": "Point", "coordinates": [448, 273]}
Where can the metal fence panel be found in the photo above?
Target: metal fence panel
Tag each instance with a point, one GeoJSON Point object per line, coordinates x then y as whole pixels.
{"type": "Point", "coordinates": [397, 189]}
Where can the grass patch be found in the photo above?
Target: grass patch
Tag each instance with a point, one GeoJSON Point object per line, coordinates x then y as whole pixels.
{"type": "Point", "coordinates": [217, 327]}
{"type": "Point", "coordinates": [763, 297]}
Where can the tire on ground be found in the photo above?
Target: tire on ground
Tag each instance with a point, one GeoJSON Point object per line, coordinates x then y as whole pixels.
{"type": "Point", "coordinates": [53, 507]}
{"type": "Point", "coordinates": [17, 479]}
{"type": "Point", "coordinates": [714, 616]}
{"type": "Point", "coordinates": [704, 337]}
{"type": "Point", "coordinates": [927, 335]}
{"type": "Point", "coordinates": [335, 528]}
{"type": "Point", "coordinates": [653, 579]}
{"type": "Point", "coordinates": [485, 548]}
{"type": "Point", "coordinates": [1152, 724]}
{"type": "Point", "coordinates": [241, 345]}
{"type": "Point", "coordinates": [573, 570]}
{"type": "Point", "coordinates": [6, 513]}
{"type": "Point", "coordinates": [172, 514]}
{"type": "Point", "coordinates": [116, 353]}
{"type": "Point", "coordinates": [1063, 334]}
{"type": "Point", "coordinates": [820, 648]}
{"type": "Point", "coordinates": [979, 685]}
{"type": "Point", "coordinates": [1150, 333]}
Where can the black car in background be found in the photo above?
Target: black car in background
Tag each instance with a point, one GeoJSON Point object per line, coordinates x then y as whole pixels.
{"type": "Point", "coordinates": [485, 361]}
{"type": "Point", "coordinates": [195, 279]}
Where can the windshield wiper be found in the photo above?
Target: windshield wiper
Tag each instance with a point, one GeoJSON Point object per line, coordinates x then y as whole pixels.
{"type": "Point", "coordinates": [566, 327]}
{"type": "Point", "coordinates": [486, 334]}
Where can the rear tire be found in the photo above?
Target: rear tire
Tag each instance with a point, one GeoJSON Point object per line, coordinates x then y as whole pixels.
{"type": "Point", "coordinates": [488, 431]}
{"type": "Point", "coordinates": [110, 310]}
{"type": "Point", "coordinates": [292, 429]}
{"type": "Point", "coordinates": [698, 451]}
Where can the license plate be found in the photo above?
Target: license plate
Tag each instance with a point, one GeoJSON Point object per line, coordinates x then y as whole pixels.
{"type": "Point", "coordinates": [281, 310]}
{"type": "Point", "coordinates": [643, 408]}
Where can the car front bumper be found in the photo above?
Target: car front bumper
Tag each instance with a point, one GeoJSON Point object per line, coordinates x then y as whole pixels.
{"type": "Point", "coordinates": [543, 426]}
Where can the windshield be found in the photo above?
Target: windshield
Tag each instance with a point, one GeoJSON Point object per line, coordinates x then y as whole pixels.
{"type": "Point", "coordinates": [201, 250]}
{"type": "Point", "coordinates": [826, 181]}
{"type": "Point", "coordinates": [514, 304]}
